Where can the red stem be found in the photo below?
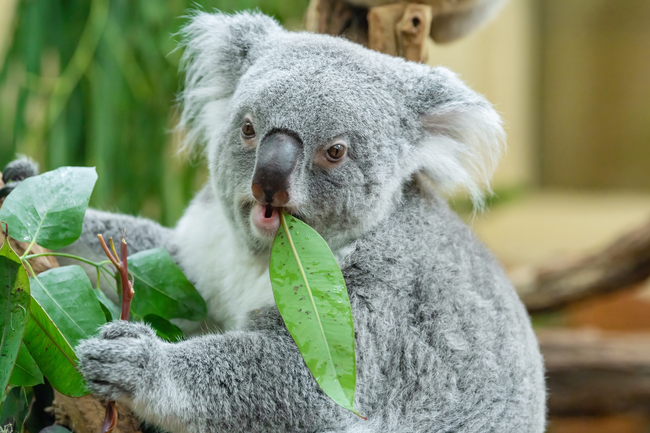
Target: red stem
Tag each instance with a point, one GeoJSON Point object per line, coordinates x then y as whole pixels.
{"type": "Point", "coordinates": [127, 290]}
{"type": "Point", "coordinates": [110, 418]}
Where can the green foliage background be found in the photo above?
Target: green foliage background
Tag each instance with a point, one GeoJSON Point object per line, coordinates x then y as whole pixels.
{"type": "Point", "coordinates": [93, 83]}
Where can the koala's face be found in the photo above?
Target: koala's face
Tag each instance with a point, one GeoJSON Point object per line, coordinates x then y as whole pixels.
{"type": "Point", "coordinates": [312, 125]}
{"type": "Point", "coordinates": [319, 138]}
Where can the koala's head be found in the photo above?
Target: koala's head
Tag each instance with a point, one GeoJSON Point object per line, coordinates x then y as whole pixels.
{"type": "Point", "coordinates": [324, 129]}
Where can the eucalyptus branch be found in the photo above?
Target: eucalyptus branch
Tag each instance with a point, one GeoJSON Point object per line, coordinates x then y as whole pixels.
{"type": "Point", "coordinates": [122, 268]}
{"type": "Point", "coordinates": [30, 269]}
{"type": "Point", "coordinates": [110, 417]}
{"type": "Point", "coordinates": [29, 247]}
{"type": "Point", "coordinates": [69, 256]}
{"type": "Point", "coordinates": [100, 266]}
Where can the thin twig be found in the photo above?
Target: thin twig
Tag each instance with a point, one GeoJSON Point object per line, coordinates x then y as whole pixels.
{"type": "Point", "coordinates": [113, 248]}
{"type": "Point", "coordinates": [69, 256]}
{"type": "Point", "coordinates": [108, 253]}
{"type": "Point", "coordinates": [121, 263]}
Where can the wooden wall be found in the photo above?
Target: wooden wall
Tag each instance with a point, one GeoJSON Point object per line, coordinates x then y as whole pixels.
{"type": "Point", "coordinates": [571, 79]}
{"type": "Point", "coordinates": [595, 93]}
{"type": "Point", "coordinates": [499, 61]}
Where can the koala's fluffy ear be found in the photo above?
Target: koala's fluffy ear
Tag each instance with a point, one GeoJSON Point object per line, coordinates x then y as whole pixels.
{"type": "Point", "coordinates": [463, 135]}
{"type": "Point", "coordinates": [219, 48]}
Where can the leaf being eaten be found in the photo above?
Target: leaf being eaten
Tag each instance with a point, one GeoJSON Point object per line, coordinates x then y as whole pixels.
{"type": "Point", "coordinates": [311, 295]}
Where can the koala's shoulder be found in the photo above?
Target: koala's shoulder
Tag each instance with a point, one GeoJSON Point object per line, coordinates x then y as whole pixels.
{"type": "Point", "coordinates": [425, 247]}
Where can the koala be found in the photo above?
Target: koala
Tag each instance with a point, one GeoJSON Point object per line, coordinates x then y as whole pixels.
{"type": "Point", "coordinates": [349, 141]}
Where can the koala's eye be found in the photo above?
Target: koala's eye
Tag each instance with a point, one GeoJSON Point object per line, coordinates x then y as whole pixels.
{"type": "Point", "coordinates": [335, 153]}
{"type": "Point", "coordinates": [247, 130]}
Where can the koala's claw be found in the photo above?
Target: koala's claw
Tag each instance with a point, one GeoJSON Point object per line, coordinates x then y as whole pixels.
{"type": "Point", "coordinates": [15, 172]}
{"type": "Point", "coordinates": [118, 362]}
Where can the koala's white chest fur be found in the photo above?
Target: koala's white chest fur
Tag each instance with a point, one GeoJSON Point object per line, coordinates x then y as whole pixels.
{"type": "Point", "coordinates": [231, 280]}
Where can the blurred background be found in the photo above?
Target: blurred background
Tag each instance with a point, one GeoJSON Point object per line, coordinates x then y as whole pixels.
{"type": "Point", "coordinates": [93, 83]}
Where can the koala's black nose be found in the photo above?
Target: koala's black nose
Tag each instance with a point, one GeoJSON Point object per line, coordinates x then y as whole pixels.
{"type": "Point", "coordinates": [277, 157]}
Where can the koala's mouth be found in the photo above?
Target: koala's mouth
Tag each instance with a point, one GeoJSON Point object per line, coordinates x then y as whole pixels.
{"type": "Point", "coordinates": [265, 219]}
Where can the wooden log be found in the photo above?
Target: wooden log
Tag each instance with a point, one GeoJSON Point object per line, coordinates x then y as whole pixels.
{"type": "Point", "coordinates": [382, 21]}
{"type": "Point", "coordinates": [337, 18]}
{"type": "Point", "coordinates": [412, 32]}
{"type": "Point", "coordinates": [595, 373]}
{"type": "Point", "coordinates": [451, 19]}
{"type": "Point", "coordinates": [85, 414]}
{"type": "Point", "coordinates": [400, 29]}
{"type": "Point", "coordinates": [622, 264]}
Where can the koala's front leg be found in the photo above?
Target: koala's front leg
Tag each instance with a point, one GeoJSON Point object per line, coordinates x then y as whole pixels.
{"type": "Point", "coordinates": [238, 381]}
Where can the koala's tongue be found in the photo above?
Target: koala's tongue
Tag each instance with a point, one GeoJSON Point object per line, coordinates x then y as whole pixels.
{"type": "Point", "coordinates": [266, 219]}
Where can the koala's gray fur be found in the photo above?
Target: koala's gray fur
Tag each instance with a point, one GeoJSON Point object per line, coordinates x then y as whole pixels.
{"type": "Point", "coordinates": [443, 343]}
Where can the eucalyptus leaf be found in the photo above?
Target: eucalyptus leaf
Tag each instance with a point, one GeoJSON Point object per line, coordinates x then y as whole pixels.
{"type": "Point", "coordinates": [26, 372]}
{"type": "Point", "coordinates": [310, 293]}
{"type": "Point", "coordinates": [50, 208]}
{"type": "Point", "coordinates": [111, 311]}
{"type": "Point", "coordinates": [53, 353]}
{"type": "Point", "coordinates": [162, 289]}
{"type": "Point", "coordinates": [164, 328]}
{"type": "Point", "coordinates": [14, 309]}
{"type": "Point", "coordinates": [15, 409]}
{"type": "Point", "coordinates": [69, 299]}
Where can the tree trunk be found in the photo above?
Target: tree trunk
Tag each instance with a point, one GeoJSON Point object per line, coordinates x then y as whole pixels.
{"type": "Point", "coordinates": [399, 29]}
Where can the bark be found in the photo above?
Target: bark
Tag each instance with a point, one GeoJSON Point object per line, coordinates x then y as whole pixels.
{"type": "Point", "coordinates": [412, 31]}
{"type": "Point", "coordinates": [337, 18]}
{"type": "Point", "coordinates": [86, 415]}
{"type": "Point", "coordinates": [400, 29]}
{"type": "Point", "coordinates": [385, 26]}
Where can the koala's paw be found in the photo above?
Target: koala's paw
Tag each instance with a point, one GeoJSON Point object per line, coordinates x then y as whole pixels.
{"type": "Point", "coordinates": [124, 329]}
{"type": "Point", "coordinates": [15, 172]}
{"type": "Point", "coordinates": [125, 358]}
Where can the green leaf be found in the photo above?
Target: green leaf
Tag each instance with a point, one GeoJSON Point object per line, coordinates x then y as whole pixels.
{"type": "Point", "coordinates": [26, 372]}
{"type": "Point", "coordinates": [15, 409]}
{"type": "Point", "coordinates": [50, 208]}
{"type": "Point", "coordinates": [69, 299]}
{"type": "Point", "coordinates": [111, 311]}
{"type": "Point", "coordinates": [162, 289]}
{"type": "Point", "coordinates": [164, 328]}
{"type": "Point", "coordinates": [14, 309]}
{"type": "Point", "coordinates": [53, 353]}
{"type": "Point", "coordinates": [310, 293]}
